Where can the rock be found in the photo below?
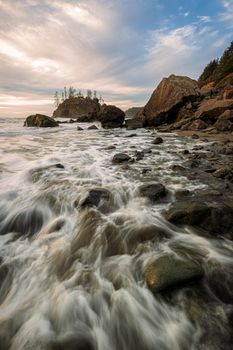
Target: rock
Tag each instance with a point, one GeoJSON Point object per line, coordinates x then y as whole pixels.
{"type": "Point", "coordinates": [110, 147]}
{"type": "Point", "coordinates": [186, 151]}
{"type": "Point", "coordinates": [209, 110]}
{"type": "Point", "coordinates": [120, 158]}
{"type": "Point", "coordinates": [214, 216]}
{"type": "Point", "coordinates": [92, 127]}
{"type": "Point", "coordinates": [228, 93]}
{"type": "Point", "coordinates": [131, 135]}
{"type": "Point", "coordinates": [228, 114]}
{"type": "Point", "coordinates": [134, 123]}
{"type": "Point", "coordinates": [139, 155]}
{"type": "Point", "coordinates": [80, 108]}
{"type": "Point", "coordinates": [79, 128]}
{"type": "Point", "coordinates": [40, 120]}
{"type": "Point", "coordinates": [195, 136]}
{"type": "Point", "coordinates": [167, 99]}
{"type": "Point", "coordinates": [169, 269]}
{"type": "Point", "coordinates": [223, 125]}
{"type": "Point", "coordinates": [97, 197]}
{"type": "Point", "coordinates": [157, 141]}
{"type": "Point", "coordinates": [154, 191]}
{"type": "Point", "coordinates": [111, 117]}
{"type": "Point", "coordinates": [146, 170]}
{"type": "Point", "coordinates": [224, 173]}
{"type": "Point", "coordinates": [197, 125]}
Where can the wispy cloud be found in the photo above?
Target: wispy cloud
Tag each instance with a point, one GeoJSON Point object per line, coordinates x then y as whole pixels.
{"type": "Point", "coordinates": [106, 45]}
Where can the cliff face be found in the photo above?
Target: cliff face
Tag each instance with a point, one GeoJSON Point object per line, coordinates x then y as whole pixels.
{"type": "Point", "coordinates": [133, 111]}
{"type": "Point", "coordinates": [78, 107]}
{"type": "Point", "coordinates": [167, 98]}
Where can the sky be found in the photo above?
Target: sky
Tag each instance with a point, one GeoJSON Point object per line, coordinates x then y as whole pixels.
{"type": "Point", "coordinates": [121, 48]}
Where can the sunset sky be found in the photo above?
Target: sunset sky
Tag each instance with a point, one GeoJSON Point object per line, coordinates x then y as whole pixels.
{"type": "Point", "coordinates": [121, 48]}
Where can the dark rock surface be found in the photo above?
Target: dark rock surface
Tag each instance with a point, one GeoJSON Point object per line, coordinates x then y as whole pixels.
{"type": "Point", "coordinates": [40, 120]}
{"type": "Point", "coordinates": [153, 191]}
{"type": "Point", "coordinates": [121, 157]}
{"type": "Point", "coordinates": [111, 117]}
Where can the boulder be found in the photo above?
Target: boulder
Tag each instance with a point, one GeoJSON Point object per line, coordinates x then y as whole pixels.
{"type": "Point", "coordinates": [92, 127]}
{"type": "Point", "coordinates": [228, 115]}
{"type": "Point", "coordinates": [170, 95]}
{"type": "Point", "coordinates": [210, 109]}
{"type": "Point", "coordinates": [198, 125]}
{"type": "Point", "coordinates": [120, 158]}
{"type": "Point", "coordinates": [153, 191]}
{"type": "Point", "coordinates": [111, 117]}
{"type": "Point", "coordinates": [224, 173]}
{"type": "Point", "coordinates": [83, 109]}
{"type": "Point", "coordinates": [135, 123]}
{"type": "Point", "coordinates": [214, 216]}
{"type": "Point", "coordinates": [97, 197]}
{"type": "Point", "coordinates": [158, 140]}
{"type": "Point", "coordinates": [169, 269]}
{"type": "Point", "coordinates": [40, 120]}
{"type": "Point", "coordinates": [223, 125]}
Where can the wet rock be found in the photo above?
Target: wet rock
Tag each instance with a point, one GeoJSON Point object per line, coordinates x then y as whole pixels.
{"type": "Point", "coordinates": [168, 270]}
{"type": "Point", "coordinates": [224, 125]}
{"type": "Point", "coordinates": [59, 166]}
{"type": "Point", "coordinates": [120, 158]}
{"type": "Point", "coordinates": [79, 128]}
{"type": "Point", "coordinates": [214, 216]}
{"type": "Point", "coordinates": [180, 194]}
{"type": "Point", "coordinates": [224, 173]}
{"type": "Point", "coordinates": [132, 124]}
{"type": "Point", "coordinates": [139, 155]}
{"type": "Point", "coordinates": [195, 136]}
{"type": "Point", "coordinates": [73, 342]}
{"type": "Point", "coordinates": [97, 197]}
{"type": "Point", "coordinates": [40, 120]}
{"type": "Point", "coordinates": [92, 127]}
{"type": "Point", "coordinates": [158, 140]}
{"type": "Point", "coordinates": [132, 135]}
{"type": "Point", "coordinates": [147, 150]}
{"type": "Point", "coordinates": [153, 191]}
{"type": "Point", "coordinates": [186, 151]}
{"type": "Point", "coordinates": [110, 147]}
{"type": "Point", "coordinates": [146, 170]}
{"type": "Point", "coordinates": [111, 117]}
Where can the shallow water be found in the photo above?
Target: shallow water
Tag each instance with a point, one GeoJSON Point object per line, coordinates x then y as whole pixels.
{"type": "Point", "coordinates": [72, 277]}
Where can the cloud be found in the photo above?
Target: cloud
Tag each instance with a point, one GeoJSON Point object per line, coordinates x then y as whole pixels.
{"type": "Point", "coordinates": [227, 15]}
{"type": "Point", "coordinates": [205, 19]}
{"type": "Point", "coordinates": [114, 47]}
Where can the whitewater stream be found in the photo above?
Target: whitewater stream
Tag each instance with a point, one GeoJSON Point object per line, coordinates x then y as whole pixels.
{"type": "Point", "coordinates": [71, 277]}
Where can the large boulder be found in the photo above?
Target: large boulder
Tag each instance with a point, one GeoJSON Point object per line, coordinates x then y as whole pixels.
{"type": "Point", "coordinates": [210, 109]}
{"type": "Point", "coordinates": [133, 111]}
{"type": "Point", "coordinates": [214, 216]}
{"type": "Point", "coordinates": [170, 269]}
{"type": "Point", "coordinates": [170, 95]}
{"type": "Point", "coordinates": [134, 123]}
{"type": "Point", "coordinates": [111, 116]}
{"type": "Point", "coordinates": [83, 109]}
{"type": "Point", "coordinates": [40, 120]}
{"type": "Point", "coordinates": [153, 191]}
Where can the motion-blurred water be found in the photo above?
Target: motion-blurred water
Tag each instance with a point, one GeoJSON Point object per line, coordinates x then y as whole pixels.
{"type": "Point", "coordinates": [71, 277]}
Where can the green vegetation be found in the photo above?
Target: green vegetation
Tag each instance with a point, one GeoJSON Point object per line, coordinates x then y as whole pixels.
{"type": "Point", "coordinates": [218, 69]}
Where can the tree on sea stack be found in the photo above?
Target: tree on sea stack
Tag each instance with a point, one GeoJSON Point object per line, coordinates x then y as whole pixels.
{"type": "Point", "coordinates": [56, 99]}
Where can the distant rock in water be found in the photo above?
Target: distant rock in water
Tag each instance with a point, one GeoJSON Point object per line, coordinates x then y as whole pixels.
{"type": "Point", "coordinates": [111, 117]}
{"type": "Point", "coordinates": [84, 109]}
{"type": "Point", "coordinates": [40, 120]}
{"type": "Point", "coordinates": [166, 100]}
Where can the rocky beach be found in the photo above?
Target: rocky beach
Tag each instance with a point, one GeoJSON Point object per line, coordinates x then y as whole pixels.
{"type": "Point", "coordinates": [116, 227]}
{"type": "Point", "coordinates": [115, 239]}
